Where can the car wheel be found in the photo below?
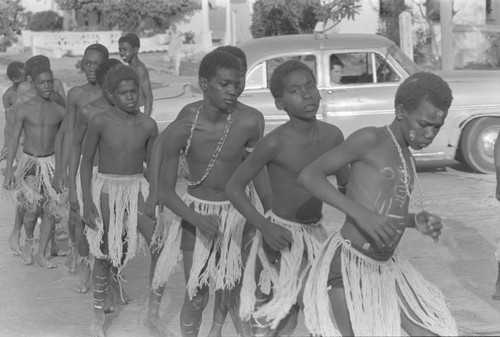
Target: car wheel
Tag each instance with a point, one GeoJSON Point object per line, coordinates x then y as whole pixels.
{"type": "Point", "coordinates": [477, 143]}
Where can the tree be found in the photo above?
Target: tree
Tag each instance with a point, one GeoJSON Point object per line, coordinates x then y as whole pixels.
{"type": "Point", "coordinates": [389, 18]}
{"type": "Point", "coordinates": [10, 22]}
{"type": "Point", "coordinates": [282, 17]}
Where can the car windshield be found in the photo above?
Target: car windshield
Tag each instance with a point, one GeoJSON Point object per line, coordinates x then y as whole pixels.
{"type": "Point", "coordinates": [409, 66]}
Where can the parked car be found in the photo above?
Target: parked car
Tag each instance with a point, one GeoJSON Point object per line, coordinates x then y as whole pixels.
{"type": "Point", "coordinates": [373, 68]}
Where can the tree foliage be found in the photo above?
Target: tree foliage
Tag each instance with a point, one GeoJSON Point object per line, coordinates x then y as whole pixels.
{"type": "Point", "coordinates": [10, 22]}
{"type": "Point", "coordinates": [282, 17]}
{"type": "Point", "coordinates": [45, 21]}
{"type": "Point", "coordinates": [389, 18]}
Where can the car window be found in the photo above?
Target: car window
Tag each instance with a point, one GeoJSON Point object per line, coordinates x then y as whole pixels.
{"type": "Point", "coordinates": [385, 73]}
{"type": "Point", "coordinates": [260, 75]}
{"type": "Point", "coordinates": [357, 67]}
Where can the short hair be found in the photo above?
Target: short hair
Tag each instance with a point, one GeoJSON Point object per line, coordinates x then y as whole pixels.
{"type": "Point", "coordinates": [34, 61]}
{"type": "Point", "coordinates": [120, 73]}
{"type": "Point", "coordinates": [15, 70]}
{"type": "Point", "coordinates": [130, 38]}
{"type": "Point", "coordinates": [100, 48]}
{"type": "Point", "coordinates": [40, 69]}
{"type": "Point", "coordinates": [103, 68]}
{"type": "Point", "coordinates": [335, 61]}
{"type": "Point", "coordinates": [424, 86]}
{"type": "Point", "coordinates": [277, 83]}
{"type": "Point", "coordinates": [236, 52]}
{"type": "Point", "coordinates": [216, 60]}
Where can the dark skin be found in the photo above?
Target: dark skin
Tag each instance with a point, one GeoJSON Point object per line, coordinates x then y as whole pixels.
{"type": "Point", "coordinates": [376, 204]}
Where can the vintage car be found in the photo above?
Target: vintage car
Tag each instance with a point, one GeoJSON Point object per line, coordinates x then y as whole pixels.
{"type": "Point", "coordinates": [373, 68]}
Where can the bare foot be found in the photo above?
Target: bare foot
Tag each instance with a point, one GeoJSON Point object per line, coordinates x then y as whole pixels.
{"type": "Point", "coordinates": [56, 251]}
{"type": "Point", "coordinates": [44, 263]}
{"type": "Point", "coordinates": [28, 252]}
{"type": "Point", "coordinates": [84, 274]}
{"type": "Point", "coordinates": [14, 243]}
{"type": "Point", "coordinates": [157, 327]}
{"type": "Point", "coordinates": [97, 328]}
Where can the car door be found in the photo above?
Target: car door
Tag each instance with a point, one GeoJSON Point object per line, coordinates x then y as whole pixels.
{"type": "Point", "coordinates": [257, 94]}
{"type": "Point", "coordinates": [365, 94]}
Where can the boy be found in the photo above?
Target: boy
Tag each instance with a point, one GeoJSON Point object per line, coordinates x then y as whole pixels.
{"type": "Point", "coordinates": [113, 198]}
{"type": "Point", "coordinates": [214, 137]}
{"type": "Point", "coordinates": [78, 96]}
{"type": "Point", "coordinates": [292, 229]}
{"type": "Point", "coordinates": [392, 294]}
{"type": "Point", "coordinates": [228, 300]}
{"type": "Point", "coordinates": [39, 118]}
{"type": "Point", "coordinates": [83, 116]}
{"type": "Point", "coordinates": [15, 73]}
{"type": "Point", "coordinates": [129, 45]}
{"type": "Point", "coordinates": [496, 294]}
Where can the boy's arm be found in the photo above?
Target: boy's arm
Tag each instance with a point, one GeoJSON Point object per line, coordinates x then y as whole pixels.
{"type": "Point", "coordinates": [74, 158]}
{"type": "Point", "coordinates": [497, 165]}
{"type": "Point", "coordinates": [9, 181]}
{"type": "Point", "coordinates": [314, 178]}
{"type": "Point", "coordinates": [267, 149]}
{"type": "Point", "coordinates": [153, 135]}
{"type": "Point", "coordinates": [89, 149]}
{"type": "Point", "coordinates": [146, 91]}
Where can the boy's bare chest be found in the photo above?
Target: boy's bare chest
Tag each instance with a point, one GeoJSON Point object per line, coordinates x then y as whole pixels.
{"type": "Point", "coordinates": [123, 137]}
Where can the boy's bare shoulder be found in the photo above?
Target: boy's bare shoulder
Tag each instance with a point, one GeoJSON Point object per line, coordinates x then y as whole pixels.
{"type": "Point", "coordinates": [76, 91]}
{"type": "Point", "coordinates": [8, 96]}
{"type": "Point", "coordinates": [189, 110]}
{"type": "Point", "coordinates": [367, 137]}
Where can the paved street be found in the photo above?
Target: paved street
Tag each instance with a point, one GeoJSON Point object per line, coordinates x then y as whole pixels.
{"type": "Point", "coordinates": [38, 302]}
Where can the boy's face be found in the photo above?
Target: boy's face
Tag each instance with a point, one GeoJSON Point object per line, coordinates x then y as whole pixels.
{"type": "Point", "coordinates": [336, 73]}
{"type": "Point", "coordinates": [126, 96]}
{"type": "Point", "coordinates": [44, 85]}
{"type": "Point", "coordinates": [222, 90]}
{"type": "Point", "coordinates": [421, 125]}
{"type": "Point", "coordinates": [91, 60]}
{"type": "Point", "coordinates": [127, 52]}
{"type": "Point", "coordinates": [301, 96]}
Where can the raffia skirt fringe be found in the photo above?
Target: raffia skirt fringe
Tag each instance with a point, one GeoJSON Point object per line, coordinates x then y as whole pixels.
{"type": "Point", "coordinates": [219, 259]}
{"type": "Point", "coordinates": [34, 186]}
{"type": "Point", "coordinates": [288, 280]}
{"type": "Point", "coordinates": [375, 292]}
{"type": "Point", "coordinates": [123, 194]}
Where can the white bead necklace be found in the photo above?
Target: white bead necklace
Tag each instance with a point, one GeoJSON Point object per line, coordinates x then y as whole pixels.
{"type": "Point", "coordinates": [406, 174]}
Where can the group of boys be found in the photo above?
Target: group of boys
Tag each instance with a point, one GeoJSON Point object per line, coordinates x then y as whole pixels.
{"type": "Point", "coordinates": [264, 265]}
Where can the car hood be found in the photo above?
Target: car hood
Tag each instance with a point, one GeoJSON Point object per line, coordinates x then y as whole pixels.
{"type": "Point", "coordinates": [473, 87]}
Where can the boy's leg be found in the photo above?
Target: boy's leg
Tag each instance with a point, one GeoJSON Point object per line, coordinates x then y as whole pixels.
{"type": "Point", "coordinates": [82, 245]}
{"type": "Point", "coordinates": [192, 309]}
{"type": "Point", "coordinates": [100, 281]}
{"type": "Point", "coordinates": [408, 325]}
{"type": "Point", "coordinates": [221, 308]}
{"type": "Point", "coordinates": [30, 219]}
{"type": "Point", "coordinates": [72, 260]}
{"type": "Point", "coordinates": [496, 295]}
{"type": "Point", "coordinates": [46, 230]}
{"type": "Point", "coordinates": [16, 231]}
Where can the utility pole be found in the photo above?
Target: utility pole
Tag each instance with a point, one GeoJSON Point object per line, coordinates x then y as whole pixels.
{"type": "Point", "coordinates": [206, 32]}
{"type": "Point", "coordinates": [228, 36]}
{"type": "Point", "coordinates": [445, 10]}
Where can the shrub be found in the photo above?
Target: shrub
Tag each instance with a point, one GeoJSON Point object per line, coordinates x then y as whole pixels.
{"type": "Point", "coordinates": [45, 21]}
{"type": "Point", "coordinates": [11, 19]}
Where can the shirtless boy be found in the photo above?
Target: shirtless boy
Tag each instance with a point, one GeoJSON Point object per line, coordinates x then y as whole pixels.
{"type": "Point", "coordinates": [213, 137]}
{"type": "Point", "coordinates": [392, 294]}
{"type": "Point", "coordinates": [77, 97]}
{"type": "Point", "coordinates": [83, 116]}
{"type": "Point", "coordinates": [129, 45]}
{"type": "Point", "coordinates": [289, 235]}
{"type": "Point", "coordinates": [40, 119]}
{"type": "Point", "coordinates": [113, 199]}
{"type": "Point", "coordinates": [15, 73]}
{"type": "Point", "coordinates": [24, 92]}
{"type": "Point", "coordinates": [228, 300]}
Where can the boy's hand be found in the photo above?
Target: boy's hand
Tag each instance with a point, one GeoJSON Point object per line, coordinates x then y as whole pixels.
{"type": "Point", "coordinates": [383, 230]}
{"type": "Point", "coordinates": [151, 202]}
{"type": "Point", "coordinates": [73, 200]}
{"type": "Point", "coordinates": [277, 237]}
{"type": "Point", "coordinates": [60, 181]}
{"type": "Point", "coordinates": [90, 214]}
{"type": "Point", "coordinates": [9, 181]}
{"type": "Point", "coordinates": [208, 225]}
{"type": "Point", "coordinates": [428, 224]}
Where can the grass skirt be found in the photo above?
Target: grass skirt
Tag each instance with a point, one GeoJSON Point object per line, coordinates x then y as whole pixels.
{"type": "Point", "coordinates": [123, 194]}
{"type": "Point", "coordinates": [288, 280]}
{"type": "Point", "coordinates": [371, 291]}
{"type": "Point", "coordinates": [33, 176]}
{"type": "Point", "coordinates": [218, 259]}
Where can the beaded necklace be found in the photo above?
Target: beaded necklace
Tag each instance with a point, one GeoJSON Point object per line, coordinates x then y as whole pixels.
{"type": "Point", "coordinates": [217, 149]}
{"type": "Point", "coordinates": [406, 174]}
